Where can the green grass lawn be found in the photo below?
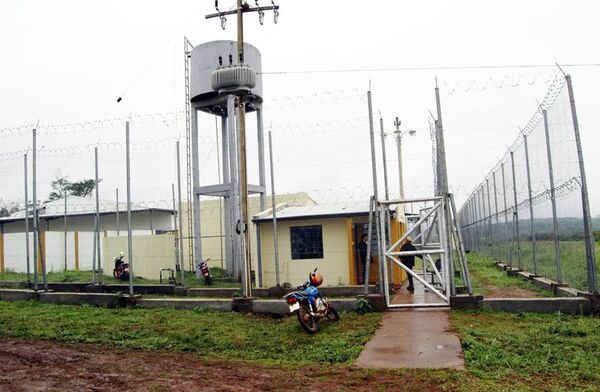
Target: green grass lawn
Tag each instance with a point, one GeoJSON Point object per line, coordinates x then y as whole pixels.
{"type": "Point", "coordinates": [573, 260]}
{"type": "Point", "coordinates": [489, 281]}
{"type": "Point", "coordinates": [503, 352]}
{"type": "Point", "coordinates": [209, 334]}
{"type": "Point", "coordinates": [531, 351]}
{"type": "Point", "coordinates": [86, 276]}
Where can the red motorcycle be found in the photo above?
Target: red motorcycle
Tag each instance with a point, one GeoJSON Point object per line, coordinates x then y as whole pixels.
{"type": "Point", "coordinates": [205, 272]}
{"type": "Point", "coordinates": [121, 270]}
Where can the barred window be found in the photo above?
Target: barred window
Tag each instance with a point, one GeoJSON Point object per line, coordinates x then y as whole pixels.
{"type": "Point", "coordinates": [307, 242]}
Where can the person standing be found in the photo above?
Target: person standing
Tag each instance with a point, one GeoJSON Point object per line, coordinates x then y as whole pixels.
{"type": "Point", "coordinates": [362, 258]}
{"type": "Point", "coordinates": [408, 260]}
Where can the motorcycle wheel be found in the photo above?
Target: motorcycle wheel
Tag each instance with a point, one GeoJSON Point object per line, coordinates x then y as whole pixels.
{"type": "Point", "coordinates": [116, 273]}
{"type": "Point", "coordinates": [307, 322]}
{"type": "Point", "coordinates": [333, 315]}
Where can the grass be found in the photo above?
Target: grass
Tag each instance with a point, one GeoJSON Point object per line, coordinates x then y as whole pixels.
{"type": "Point", "coordinates": [487, 279]}
{"type": "Point", "coordinates": [573, 260]}
{"type": "Point", "coordinates": [206, 333]}
{"type": "Point", "coordinates": [531, 351]}
{"type": "Point", "coordinates": [503, 352]}
{"type": "Point", "coordinates": [86, 276]}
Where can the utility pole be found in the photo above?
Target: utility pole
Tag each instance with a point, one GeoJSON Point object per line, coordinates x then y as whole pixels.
{"type": "Point", "coordinates": [399, 135]}
{"type": "Point", "coordinates": [385, 176]}
{"type": "Point", "coordinates": [242, 224]}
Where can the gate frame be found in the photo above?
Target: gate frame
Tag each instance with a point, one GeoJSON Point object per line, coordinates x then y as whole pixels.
{"type": "Point", "coordinates": [443, 218]}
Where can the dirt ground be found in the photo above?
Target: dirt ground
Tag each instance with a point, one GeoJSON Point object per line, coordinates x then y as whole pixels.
{"type": "Point", "coordinates": [508, 292]}
{"type": "Point", "coordinates": [32, 365]}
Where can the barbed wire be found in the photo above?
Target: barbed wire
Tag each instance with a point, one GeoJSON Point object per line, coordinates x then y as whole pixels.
{"type": "Point", "coordinates": [498, 83]}
{"type": "Point", "coordinates": [569, 186]}
{"type": "Point", "coordinates": [102, 146]}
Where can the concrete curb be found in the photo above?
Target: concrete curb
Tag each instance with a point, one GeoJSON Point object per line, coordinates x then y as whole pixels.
{"type": "Point", "coordinates": [539, 305]}
{"type": "Point", "coordinates": [96, 299]}
{"type": "Point", "coordinates": [222, 305]}
{"type": "Point", "coordinates": [18, 295]}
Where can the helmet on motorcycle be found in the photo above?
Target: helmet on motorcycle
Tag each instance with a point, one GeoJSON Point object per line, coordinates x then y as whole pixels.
{"type": "Point", "coordinates": [315, 279]}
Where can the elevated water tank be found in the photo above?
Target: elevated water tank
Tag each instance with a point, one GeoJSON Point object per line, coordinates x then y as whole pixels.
{"type": "Point", "coordinates": [205, 60]}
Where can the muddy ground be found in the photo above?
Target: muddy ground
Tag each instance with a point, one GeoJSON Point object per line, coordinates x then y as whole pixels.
{"type": "Point", "coordinates": [32, 365]}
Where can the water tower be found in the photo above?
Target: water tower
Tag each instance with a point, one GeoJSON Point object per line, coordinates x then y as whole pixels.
{"type": "Point", "coordinates": [217, 80]}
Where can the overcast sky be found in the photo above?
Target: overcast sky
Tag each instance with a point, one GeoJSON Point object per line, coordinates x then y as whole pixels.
{"type": "Point", "coordinates": [68, 61]}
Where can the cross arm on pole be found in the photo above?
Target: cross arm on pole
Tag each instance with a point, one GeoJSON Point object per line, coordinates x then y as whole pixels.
{"type": "Point", "coordinates": [244, 9]}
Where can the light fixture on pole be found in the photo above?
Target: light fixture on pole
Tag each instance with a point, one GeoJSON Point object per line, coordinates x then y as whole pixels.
{"type": "Point", "coordinates": [399, 134]}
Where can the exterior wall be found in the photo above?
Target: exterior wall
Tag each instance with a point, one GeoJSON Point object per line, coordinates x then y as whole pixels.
{"type": "Point", "coordinates": [150, 254]}
{"type": "Point", "coordinates": [338, 265]}
{"type": "Point", "coordinates": [80, 248]}
{"type": "Point", "coordinates": [213, 231]}
{"type": "Point", "coordinates": [334, 266]}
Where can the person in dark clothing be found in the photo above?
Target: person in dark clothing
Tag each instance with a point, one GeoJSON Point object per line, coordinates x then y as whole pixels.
{"type": "Point", "coordinates": [408, 261]}
{"type": "Point", "coordinates": [362, 258]}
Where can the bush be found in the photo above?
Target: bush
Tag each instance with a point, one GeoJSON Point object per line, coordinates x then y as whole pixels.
{"type": "Point", "coordinates": [363, 306]}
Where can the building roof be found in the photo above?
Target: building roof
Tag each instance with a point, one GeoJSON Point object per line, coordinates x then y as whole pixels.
{"type": "Point", "coordinates": [286, 212]}
{"type": "Point", "coordinates": [80, 206]}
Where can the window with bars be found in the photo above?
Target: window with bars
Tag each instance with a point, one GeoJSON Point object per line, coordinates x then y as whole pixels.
{"type": "Point", "coordinates": [307, 242]}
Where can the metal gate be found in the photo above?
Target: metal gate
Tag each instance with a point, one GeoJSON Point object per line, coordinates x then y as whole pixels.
{"type": "Point", "coordinates": [438, 241]}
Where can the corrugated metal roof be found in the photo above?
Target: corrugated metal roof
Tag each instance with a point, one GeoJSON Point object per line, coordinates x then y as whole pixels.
{"type": "Point", "coordinates": [316, 211]}
{"type": "Point", "coordinates": [77, 206]}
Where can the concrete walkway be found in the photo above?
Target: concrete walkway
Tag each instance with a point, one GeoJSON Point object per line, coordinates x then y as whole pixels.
{"type": "Point", "coordinates": [413, 338]}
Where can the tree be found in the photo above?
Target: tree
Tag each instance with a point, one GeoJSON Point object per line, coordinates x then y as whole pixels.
{"type": "Point", "coordinates": [62, 187]}
{"type": "Point", "coordinates": [8, 208]}
{"type": "Point", "coordinates": [82, 188]}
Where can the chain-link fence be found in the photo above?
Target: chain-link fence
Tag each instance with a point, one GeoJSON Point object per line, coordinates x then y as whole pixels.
{"type": "Point", "coordinates": [532, 209]}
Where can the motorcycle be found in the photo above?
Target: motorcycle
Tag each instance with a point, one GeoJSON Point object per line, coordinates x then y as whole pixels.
{"type": "Point", "coordinates": [205, 272]}
{"type": "Point", "coordinates": [309, 305]}
{"type": "Point", "coordinates": [121, 270]}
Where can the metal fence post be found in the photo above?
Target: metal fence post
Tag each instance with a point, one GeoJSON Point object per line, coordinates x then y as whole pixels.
{"type": "Point", "coordinates": [516, 234]}
{"type": "Point", "coordinates": [180, 217]}
{"type": "Point", "coordinates": [531, 218]}
{"type": "Point", "coordinates": [483, 217]}
{"type": "Point", "coordinates": [98, 247]}
{"type": "Point", "coordinates": [129, 239]}
{"type": "Point", "coordinates": [65, 229]}
{"type": "Point", "coordinates": [369, 238]}
{"type": "Point", "coordinates": [559, 277]}
{"type": "Point", "coordinates": [274, 215]}
{"type": "Point", "coordinates": [508, 255]}
{"type": "Point", "coordinates": [117, 211]}
{"type": "Point", "coordinates": [490, 236]}
{"type": "Point", "coordinates": [36, 227]}
{"type": "Point", "coordinates": [497, 237]}
{"type": "Point", "coordinates": [377, 212]}
{"type": "Point", "coordinates": [27, 258]}
{"type": "Point", "coordinates": [587, 221]}
{"type": "Point", "coordinates": [477, 210]}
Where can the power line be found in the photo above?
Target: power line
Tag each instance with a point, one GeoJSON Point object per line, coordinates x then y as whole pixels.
{"type": "Point", "coordinates": [436, 68]}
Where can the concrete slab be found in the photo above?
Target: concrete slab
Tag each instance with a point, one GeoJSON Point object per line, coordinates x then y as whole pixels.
{"type": "Point", "coordinates": [158, 289]}
{"type": "Point", "coordinates": [415, 339]}
{"type": "Point", "coordinates": [421, 295]}
{"type": "Point", "coordinates": [212, 292]}
{"type": "Point", "coordinates": [569, 305]}
{"type": "Point", "coordinates": [18, 295]}
{"type": "Point", "coordinates": [13, 285]}
{"type": "Point", "coordinates": [525, 275]}
{"type": "Point", "coordinates": [97, 299]}
{"type": "Point", "coordinates": [543, 283]}
{"type": "Point", "coordinates": [223, 305]}
{"type": "Point", "coordinates": [566, 291]}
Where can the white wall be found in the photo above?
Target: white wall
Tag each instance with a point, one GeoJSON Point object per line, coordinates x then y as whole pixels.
{"type": "Point", "coordinates": [151, 249]}
{"type": "Point", "coordinates": [150, 254]}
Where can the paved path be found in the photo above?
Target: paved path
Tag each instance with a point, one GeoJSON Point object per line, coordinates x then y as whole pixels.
{"type": "Point", "coordinates": [413, 338]}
